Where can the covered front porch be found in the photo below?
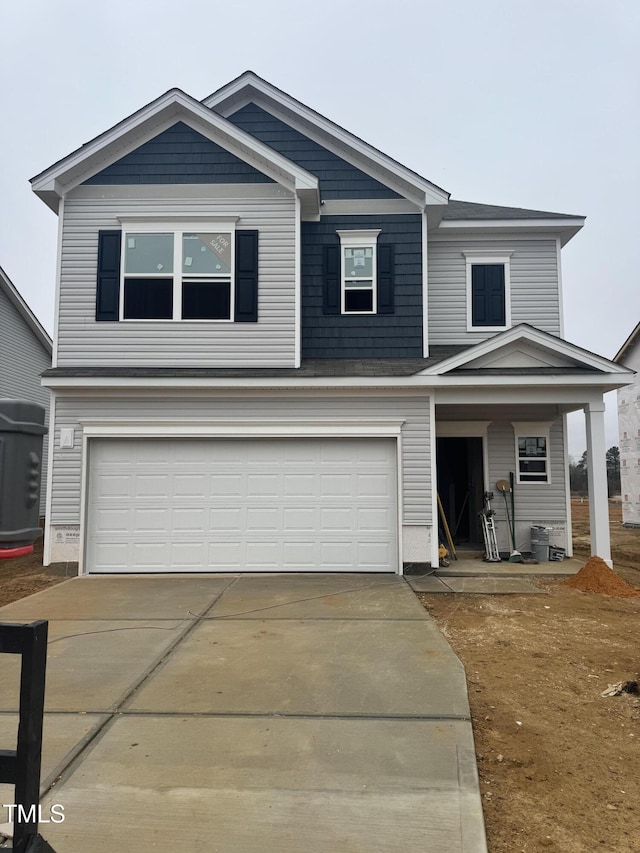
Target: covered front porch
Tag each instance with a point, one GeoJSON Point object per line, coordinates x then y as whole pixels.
{"type": "Point", "coordinates": [500, 414]}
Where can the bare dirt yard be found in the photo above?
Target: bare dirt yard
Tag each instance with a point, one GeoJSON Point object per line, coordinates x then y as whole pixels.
{"type": "Point", "coordinates": [559, 764]}
{"type": "Point", "coordinates": [25, 575]}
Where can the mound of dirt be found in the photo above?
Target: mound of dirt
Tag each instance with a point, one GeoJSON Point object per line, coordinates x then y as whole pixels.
{"type": "Point", "coordinates": [596, 576]}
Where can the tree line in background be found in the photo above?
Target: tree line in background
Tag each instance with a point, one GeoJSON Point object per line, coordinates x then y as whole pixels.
{"type": "Point", "coordinates": [578, 473]}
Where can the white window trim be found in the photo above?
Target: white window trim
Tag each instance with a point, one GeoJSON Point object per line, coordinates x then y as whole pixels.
{"type": "Point", "coordinates": [363, 239]}
{"type": "Point", "coordinates": [478, 257]}
{"type": "Point", "coordinates": [533, 429]}
{"type": "Point", "coordinates": [178, 227]}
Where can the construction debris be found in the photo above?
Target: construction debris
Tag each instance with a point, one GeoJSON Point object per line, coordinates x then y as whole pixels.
{"type": "Point", "coordinates": [621, 687]}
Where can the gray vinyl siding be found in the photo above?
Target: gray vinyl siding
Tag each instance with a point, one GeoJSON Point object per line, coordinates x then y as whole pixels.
{"type": "Point", "coordinates": [22, 360]}
{"type": "Point", "coordinates": [534, 285]}
{"type": "Point", "coordinates": [414, 410]}
{"type": "Point", "coordinates": [338, 178]}
{"type": "Point", "coordinates": [535, 503]}
{"type": "Point", "coordinates": [394, 335]}
{"type": "Point", "coordinates": [269, 342]}
{"type": "Point", "coordinates": [179, 155]}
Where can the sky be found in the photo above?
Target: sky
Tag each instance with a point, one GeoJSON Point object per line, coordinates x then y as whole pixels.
{"type": "Point", "coordinates": [513, 102]}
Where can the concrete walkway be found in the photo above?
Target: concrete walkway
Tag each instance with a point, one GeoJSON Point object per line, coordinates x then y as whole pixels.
{"type": "Point", "coordinates": [288, 713]}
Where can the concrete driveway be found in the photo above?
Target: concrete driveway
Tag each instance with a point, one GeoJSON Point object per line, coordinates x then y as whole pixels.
{"type": "Point", "coordinates": [284, 713]}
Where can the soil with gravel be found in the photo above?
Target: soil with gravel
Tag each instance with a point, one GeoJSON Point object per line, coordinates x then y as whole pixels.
{"type": "Point", "coordinates": [558, 763]}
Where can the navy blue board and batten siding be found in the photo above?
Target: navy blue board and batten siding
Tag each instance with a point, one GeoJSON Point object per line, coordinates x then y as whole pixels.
{"type": "Point", "coordinates": [338, 178]}
{"type": "Point", "coordinates": [397, 335]}
{"type": "Point", "coordinates": [179, 155]}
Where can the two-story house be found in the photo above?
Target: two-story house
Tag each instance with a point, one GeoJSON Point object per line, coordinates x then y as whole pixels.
{"type": "Point", "coordinates": [275, 346]}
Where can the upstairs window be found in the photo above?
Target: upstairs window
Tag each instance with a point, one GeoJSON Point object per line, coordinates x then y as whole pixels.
{"type": "Point", "coordinates": [358, 271]}
{"type": "Point", "coordinates": [488, 293]}
{"type": "Point", "coordinates": [181, 275]}
{"type": "Point", "coordinates": [199, 271]}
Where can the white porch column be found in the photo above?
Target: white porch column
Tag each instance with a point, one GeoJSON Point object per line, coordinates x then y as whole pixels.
{"type": "Point", "coordinates": [597, 480]}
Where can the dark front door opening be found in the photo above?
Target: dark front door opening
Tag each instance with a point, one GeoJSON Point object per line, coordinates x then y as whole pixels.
{"type": "Point", "coordinates": [461, 487]}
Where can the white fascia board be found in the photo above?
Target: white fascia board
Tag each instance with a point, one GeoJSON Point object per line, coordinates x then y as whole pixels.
{"type": "Point", "coordinates": [570, 399]}
{"type": "Point", "coordinates": [358, 152]}
{"type": "Point", "coordinates": [153, 119]}
{"type": "Point", "coordinates": [388, 383]}
{"type": "Point", "coordinates": [602, 382]}
{"type": "Point", "coordinates": [566, 228]}
{"type": "Point", "coordinates": [535, 336]}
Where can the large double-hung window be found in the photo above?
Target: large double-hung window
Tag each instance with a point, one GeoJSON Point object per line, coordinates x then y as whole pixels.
{"type": "Point", "coordinates": [178, 274]}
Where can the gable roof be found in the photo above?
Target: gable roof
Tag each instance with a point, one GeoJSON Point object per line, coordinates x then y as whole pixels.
{"type": "Point", "coordinates": [9, 289]}
{"type": "Point", "coordinates": [250, 88]}
{"type": "Point", "coordinates": [172, 107]}
{"type": "Point", "coordinates": [627, 345]}
{"type": "Point", "coordinates": [563, 355]}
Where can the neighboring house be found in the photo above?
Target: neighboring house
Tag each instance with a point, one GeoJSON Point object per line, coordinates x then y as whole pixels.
{"type": "Point", "coordinates": [25, 353]}
{"type": "Point", "coordinates": [275, 344]}
{"type": "Point", "coordinates": [629, 431]}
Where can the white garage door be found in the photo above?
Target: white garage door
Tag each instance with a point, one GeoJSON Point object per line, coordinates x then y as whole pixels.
{"type": "Point", "coordinates": [242, 505]}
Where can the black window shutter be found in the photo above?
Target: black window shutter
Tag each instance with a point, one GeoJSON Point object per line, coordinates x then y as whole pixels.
{"type": "Point", "coordinates": [108, 283]}
{"type": "Point", "coordinates": [246, 277]}
{"type": "Point", "coordinates": [385, 279]}
{"type": "Point", "coordinates": [488, 295]}
{"type": "Point", "coordinates": [331, 279]}
{"type": "Point", "coordinates": [495, 295]}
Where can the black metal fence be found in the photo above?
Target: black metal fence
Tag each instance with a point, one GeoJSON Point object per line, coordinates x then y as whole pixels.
{"type": "Point", "coordinates": [20, 767]}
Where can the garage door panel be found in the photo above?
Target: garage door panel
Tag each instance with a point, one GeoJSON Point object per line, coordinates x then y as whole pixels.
{"type": "Point", "coordinates": [300, 554]}
{"type": "Point", "coordinates": [151, 521]}
{"type": "Point", "coordinates": [188, 520]}
{"type": "Point", "coordinates": [337, 519]}
{"type": "Point", "coordinates": [225, 555]}
{"type": "Point", "coordinates": [234, 505]}
{"type": "Point", "coordinates": [114, 486]}
{"type": "Point", "coordinates": [190, 485]}
{"type": "Point", "coordinates": [259, 520]}
{"type": "Point", "coordinates": [301, 519]}
{"type": "Point", "coordinates": [152, 485]}
{"type": "Point", "coordinates": [263, 554]}
{"type": "Point", "coordinates": [299, 485]}
{"type": "Point", "coordinates": [226, 485]}
{"type": "Point", "coordinates": [114, 521]}
{"type": "Point", "coordinates": [226, 519]}
{"type": "Point", "coordinates": [151, 555]}
{"type": "Point", "coordinates": [336, 485]}
{"type": "Point", "coordinates": [373, 519]}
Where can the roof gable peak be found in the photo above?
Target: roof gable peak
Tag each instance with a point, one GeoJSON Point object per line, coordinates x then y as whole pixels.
{"type": "Point", "coordinates": [250, 87]}
{"type": "Point", "coordinates": [524, 347]}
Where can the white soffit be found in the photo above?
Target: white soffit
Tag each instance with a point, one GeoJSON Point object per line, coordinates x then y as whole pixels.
{"type": "Point", "coordinates": [249, 88]}
{"type": "Point", "coordinates": [153, 119]}
{"type": "Point", "coordinates": [524, 342]}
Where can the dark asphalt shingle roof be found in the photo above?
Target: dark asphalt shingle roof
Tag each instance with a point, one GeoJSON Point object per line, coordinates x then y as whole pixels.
{"type": "Point", "coordinates": [471, 210]}
{"type": "Point", "coordinates": [309, 367]}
